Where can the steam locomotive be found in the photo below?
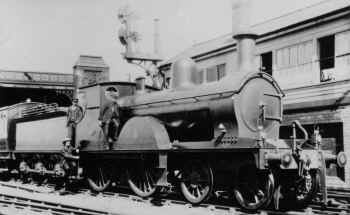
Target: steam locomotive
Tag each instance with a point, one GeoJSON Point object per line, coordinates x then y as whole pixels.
{"type": "Point", "coordinates": [198, 139]}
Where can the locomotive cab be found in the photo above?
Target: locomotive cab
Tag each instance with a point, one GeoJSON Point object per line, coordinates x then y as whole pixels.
{"type": "Point", "coordinates": [91, 99]}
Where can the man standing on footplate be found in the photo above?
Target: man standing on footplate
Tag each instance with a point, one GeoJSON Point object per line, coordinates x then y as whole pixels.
{"type": "Point", "coordinates": [109, 117]}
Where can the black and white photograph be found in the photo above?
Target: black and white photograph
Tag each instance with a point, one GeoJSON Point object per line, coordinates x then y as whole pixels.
{"type": "Point", "coordinates": [176, 107]}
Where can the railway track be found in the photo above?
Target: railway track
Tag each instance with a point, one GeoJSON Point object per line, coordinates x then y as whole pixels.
{"type": "Point", "coordinates": [36, 201]}
{"type": "Point", "coordinates": [47, 200]}
{"type": "Point", "coordinates": [44, 207]}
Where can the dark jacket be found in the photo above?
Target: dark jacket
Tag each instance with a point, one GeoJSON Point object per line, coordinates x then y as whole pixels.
{"type": "Point", "coordinates": [74, 114]}
{"type": "Point", "coordinates": [109, 110]}
{"type": "Point", "coordinates": [68, 153]}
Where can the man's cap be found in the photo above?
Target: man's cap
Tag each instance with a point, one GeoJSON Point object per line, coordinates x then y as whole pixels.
{"type": "Point", "coordinates": [67, 139]}
{"type": "Point", "coordinates": [112, 94]}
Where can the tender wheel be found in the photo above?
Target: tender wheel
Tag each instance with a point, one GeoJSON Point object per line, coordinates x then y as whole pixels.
{"type": "Point", "coordinates": [39, 176]}
{"type": "Point", "coordinates": [59, 170]}
{"type": "Point", "coordinates": [59, 177]}
{"type": "Point", "coordinates": [306, 188]}
{"type": "Point", "coordinates": [23, 171]}
{"type": "Point", "coordinates": [142, 181]}
{"type": "Point", "coordinates": [196, 182]}
{"type": "Point", "coordinates": [254, 190]}
{"type": "Point", "coordinates": [98, 178]}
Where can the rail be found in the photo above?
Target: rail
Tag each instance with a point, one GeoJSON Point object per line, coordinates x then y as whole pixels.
{"type": "Point", "coordinates": [43, 206]}
{"type": "Point", "coordinates": [127, 203]}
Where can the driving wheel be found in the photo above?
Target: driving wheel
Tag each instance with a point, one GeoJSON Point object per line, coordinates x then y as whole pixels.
{"type": "Point", "coordinates": [99, 178]}
{"type": "Point", "coordinates": [142, 181]}
{"type": "Point", "coordinates": [254, 189]}
{"type": "Point", "coordinates": [196, 182]}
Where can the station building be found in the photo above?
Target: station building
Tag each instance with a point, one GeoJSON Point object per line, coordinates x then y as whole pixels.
{"type": "Point", "coordinates": [308, 52]}
{"type": "Point", "coordinates": [20, 86]}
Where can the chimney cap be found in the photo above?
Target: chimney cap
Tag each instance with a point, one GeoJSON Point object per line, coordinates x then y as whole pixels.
{"type": "Point", "coordinates": [246, 34]}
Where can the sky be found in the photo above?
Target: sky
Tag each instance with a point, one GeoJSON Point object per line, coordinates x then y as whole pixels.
{"type": "Point", "coordinates": [49, 35]}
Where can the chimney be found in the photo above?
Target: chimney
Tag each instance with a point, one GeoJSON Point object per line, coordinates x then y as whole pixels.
{"type": "Point", "coordinates": [156, 38]}
{"type": "Point", "coordinates": [140, 85]}
{"type": "Point", "coordinates": [242, 33]}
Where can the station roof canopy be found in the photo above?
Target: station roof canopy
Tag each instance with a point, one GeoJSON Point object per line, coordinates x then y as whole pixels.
{"type": "Point", "coordinates": [268, 28]}
{"type": "Point", "coordinates": [28, 79]}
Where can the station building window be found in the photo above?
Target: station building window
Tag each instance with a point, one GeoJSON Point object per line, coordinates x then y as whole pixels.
{"type": "Point", "coordinates": [221, 69]}
{"type": "Point", "coordinates": [212, 74]}
{"type": "Point", "coordinates": [342, 49]}
{"type": "Point", "coordinates": [326, 52]}
{"type": "Point", "coordinates": [294, 56]}
{"type": "Point", "coordinates": [216, 73]}
{"type": "Point", "coordinates": [266, 62]}
{"type": "Point", "coordinates": [198, 78]}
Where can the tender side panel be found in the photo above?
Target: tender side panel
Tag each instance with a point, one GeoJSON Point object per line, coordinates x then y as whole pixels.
{"type": "Point", "coordinates": [41, 135]}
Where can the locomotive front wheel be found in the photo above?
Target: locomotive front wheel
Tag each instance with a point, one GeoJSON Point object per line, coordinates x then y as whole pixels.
{"type": "Point", "coordinates": [142, 181]}
{"type": "Point", "coordinates": [98, 178]}
{"type": "Point", "coordinates": [196, 182]}
{"type": "Point", "coordinates": [254, 190]}
{"type": "Point", "coordinates": [306, 188]}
